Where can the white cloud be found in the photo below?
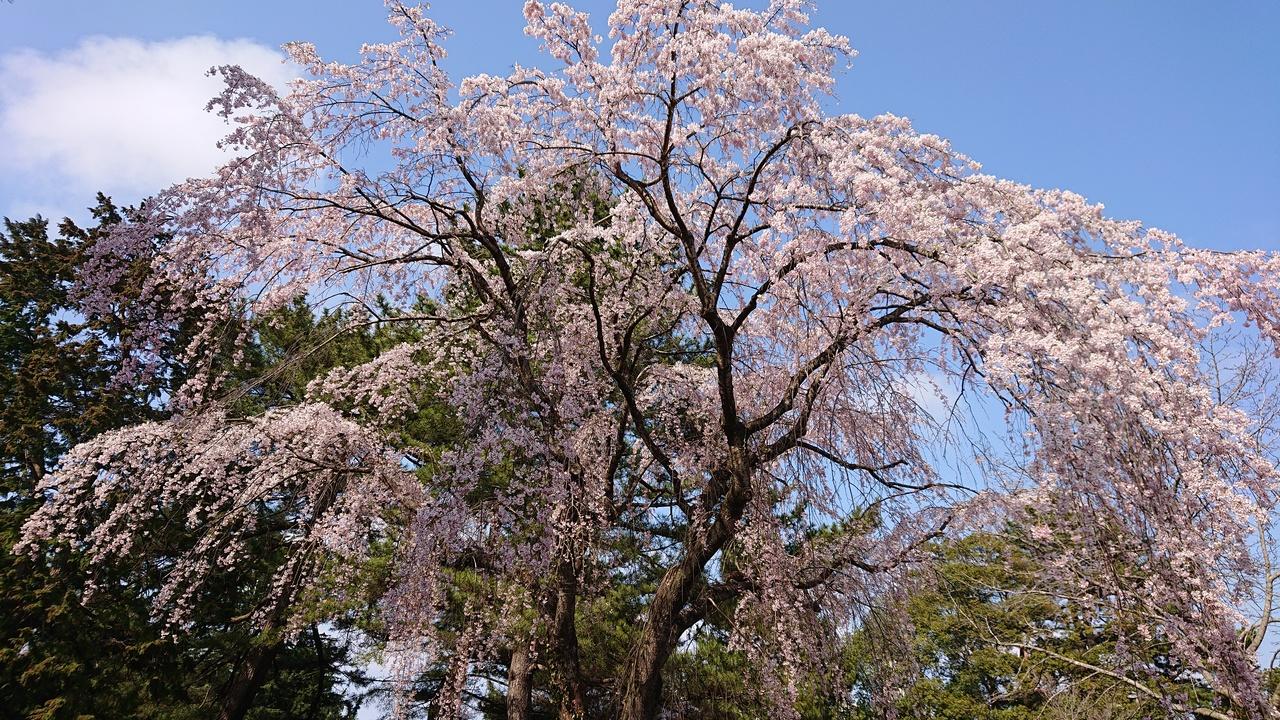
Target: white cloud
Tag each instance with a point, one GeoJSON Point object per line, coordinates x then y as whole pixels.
{"type": "Point", "coordinates": [115, 114]}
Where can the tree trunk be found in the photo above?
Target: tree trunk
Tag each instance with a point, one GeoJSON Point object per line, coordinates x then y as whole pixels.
{"type": "Point", "coordinates": [573, 706]}
{"type": "Point", "coordinates": [641, 694]}
{"type": "Point", "coordinates": [520, 682]}
{"type": "Point", "coordinates": [250, 674]}
{"type": "Point", "coordinates": [642, 679]}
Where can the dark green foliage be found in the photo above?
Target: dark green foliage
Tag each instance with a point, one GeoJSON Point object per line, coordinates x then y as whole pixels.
{"type": "Point", "coordinates": [980, 595]}
{"type": "Point", "coordinates": [985, 598]}
{"type": "Point", "coordinates": [58, 658]}
{"type": "Point", "coordinates": [64, 656]}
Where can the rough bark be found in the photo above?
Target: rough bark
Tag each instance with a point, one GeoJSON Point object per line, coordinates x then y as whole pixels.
{"type": "Point", "coordinates": [250, 674]}
{"type": "Point", "coordinates": [520, 682]}
{"type": "Point", "coordinates": [642, 679]}
{"type": "Point", "coordinates": [573, 705]}
{"type": "Point", "coordinates": [641, 694]}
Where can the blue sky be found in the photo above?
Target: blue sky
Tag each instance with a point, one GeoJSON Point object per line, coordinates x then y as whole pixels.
{"type": "Point", "coordinates": [1168, 112]}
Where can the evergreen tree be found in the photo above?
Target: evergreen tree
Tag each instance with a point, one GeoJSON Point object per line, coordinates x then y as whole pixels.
{"type": "Point", "coordinates": [993, 640]}
{"type": "Point", "coordinates": [63, 655]}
